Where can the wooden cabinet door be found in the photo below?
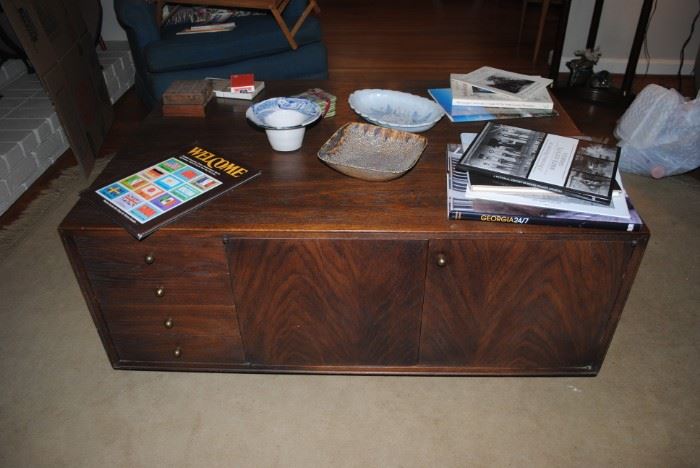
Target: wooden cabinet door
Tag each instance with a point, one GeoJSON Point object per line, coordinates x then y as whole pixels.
{"type": "Point", "coordinates": [521, 305]}
{"type": "Point", "coordinates": [329, 302]}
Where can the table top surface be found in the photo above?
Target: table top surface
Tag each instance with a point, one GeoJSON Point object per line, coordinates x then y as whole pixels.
{"type": "Point", "coordinates": [297, 193]}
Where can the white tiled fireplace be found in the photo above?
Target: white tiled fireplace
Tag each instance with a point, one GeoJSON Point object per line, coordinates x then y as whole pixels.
{"type": "Point", "coordinates": [31, 137]}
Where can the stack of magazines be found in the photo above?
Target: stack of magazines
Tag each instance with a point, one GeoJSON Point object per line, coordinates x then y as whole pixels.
{"type": "Point", "coordinates": [512, 175]}
{"type": "Point", "coordinates": [489, 94]}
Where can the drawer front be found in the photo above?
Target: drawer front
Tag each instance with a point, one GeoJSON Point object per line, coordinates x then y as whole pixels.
{"type": "Point", "coordinates": [176, 349]}
{"type": "Point", "coordinates": [164, 291]}
{"type": "Point", "coordinates": [172, 320]}
{"type": "Point", "coordinates": [109, 256]}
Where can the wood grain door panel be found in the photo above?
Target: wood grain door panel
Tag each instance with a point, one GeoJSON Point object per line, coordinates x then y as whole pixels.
{"type": "Point", "coordinates": [328, 302]}
{"type": "Point", "coordinates": [520, 304]}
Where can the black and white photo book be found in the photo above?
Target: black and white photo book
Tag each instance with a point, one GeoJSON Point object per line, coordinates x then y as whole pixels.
{"type": "Point", "coordinates": [562, 164]}
{"type": "Point", "coordinates": [502, 82]}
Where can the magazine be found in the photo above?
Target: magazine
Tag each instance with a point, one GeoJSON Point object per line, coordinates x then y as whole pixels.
{"type": "Point", "coordinates": [576, 168]}
{"type": "Point", "coordinates": [461, 206]}
{"type": "Point", "coordinates": [457, 114]}
{"type": "Point", "coordinates": [159, 193]}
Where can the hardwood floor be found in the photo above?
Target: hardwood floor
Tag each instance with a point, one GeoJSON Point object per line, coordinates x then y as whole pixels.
{"type": "Point", "coordinates": [411, 39]}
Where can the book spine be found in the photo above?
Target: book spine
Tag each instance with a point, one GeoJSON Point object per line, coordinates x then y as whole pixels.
{"type": "Point", "coordinates": [563, 222]}
{"type": "Point", "coordinates": [466, 102]}
{"type": "Point", "coordinates": [552, 188]}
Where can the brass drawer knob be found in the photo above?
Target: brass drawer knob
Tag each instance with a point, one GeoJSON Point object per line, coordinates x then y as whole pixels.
{"type": "Point", "coordinates": [168, 323]}
{"type": "Point", "coordinates": [160, 291]}
{"type": "Point", "coordinates": [178, 352]}
{"type": "Point", "coordinates": [149, 258]}
{"type": "Point", "coordinates": [441, 260]}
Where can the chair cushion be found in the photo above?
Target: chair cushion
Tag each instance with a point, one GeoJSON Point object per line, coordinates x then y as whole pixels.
{"type": "Point", "coordinates": [253, 36]}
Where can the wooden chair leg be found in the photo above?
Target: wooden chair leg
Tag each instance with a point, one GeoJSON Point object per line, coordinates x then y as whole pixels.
{"type": "Point", "coordinates": [285, 30]}
{"type": "Point", "coordinates": [311, 6]}
{"type": "Point", "coordinates": [540, 30]}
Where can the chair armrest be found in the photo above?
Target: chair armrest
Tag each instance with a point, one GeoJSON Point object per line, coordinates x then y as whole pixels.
{"type": "Point", "coordinates": [138, 18]}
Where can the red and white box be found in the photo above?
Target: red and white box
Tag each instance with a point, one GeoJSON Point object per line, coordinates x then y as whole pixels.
{"type": "Point", "coordinates": [243, 83]}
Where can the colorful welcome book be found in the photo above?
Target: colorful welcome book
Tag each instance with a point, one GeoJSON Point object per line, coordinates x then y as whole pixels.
{"type": "Point", "coordinates": [159, 193]}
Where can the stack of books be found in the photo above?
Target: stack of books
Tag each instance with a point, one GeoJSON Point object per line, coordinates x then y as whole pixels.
{"type": "Point", "coordinates": [513, 175]}
{"type": "Point", "coordinates": [241, 86]}
{"type": "Point", "coordinates": [187, 98]}
{"type": "Point", "coordinates": [490, 94]}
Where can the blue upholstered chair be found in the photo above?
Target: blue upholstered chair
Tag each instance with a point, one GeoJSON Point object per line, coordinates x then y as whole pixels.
{"type": "Point", "coordinates": [256, 45]}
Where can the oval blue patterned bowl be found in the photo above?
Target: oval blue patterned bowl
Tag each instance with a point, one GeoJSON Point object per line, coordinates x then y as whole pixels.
{"type": "Point", "coordinates": [265, 114]}
{"type": "Point", "coordinates": [395, 109]}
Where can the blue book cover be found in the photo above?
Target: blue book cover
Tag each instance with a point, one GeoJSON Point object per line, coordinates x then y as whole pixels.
{"type": "Point", "coordinates": [457, 114]}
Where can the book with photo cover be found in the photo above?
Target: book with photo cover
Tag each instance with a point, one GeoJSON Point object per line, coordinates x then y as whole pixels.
{"type": "Point", "coordinates": [502, 82]}
{"type": "Point", "coordinates": [576, 168]}
{"type": "Point", "coordinates": [461, 206]}
{"type": "Point", "coordinates": [484, 187]}
{"type": "Point", "coordinates": [158, 193]}
{"type": "Point", "coordinates": [457, 114]}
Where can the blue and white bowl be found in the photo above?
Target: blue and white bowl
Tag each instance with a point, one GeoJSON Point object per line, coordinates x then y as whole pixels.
{"type": "Point", "coordinates": [395, 109]}
{"type": "Point", "coordinates": [283, 113]}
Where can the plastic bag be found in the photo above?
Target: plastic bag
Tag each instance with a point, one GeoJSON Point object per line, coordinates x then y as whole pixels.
{"type": "Point", "coordinates": [660, 133]}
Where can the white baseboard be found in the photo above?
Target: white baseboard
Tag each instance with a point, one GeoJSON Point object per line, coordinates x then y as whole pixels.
{"type": "Point", "coordinates": [656, 66]}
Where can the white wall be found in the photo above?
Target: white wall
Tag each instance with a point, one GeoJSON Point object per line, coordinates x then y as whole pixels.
{"type": "Point", "coordinates": [669, 28]}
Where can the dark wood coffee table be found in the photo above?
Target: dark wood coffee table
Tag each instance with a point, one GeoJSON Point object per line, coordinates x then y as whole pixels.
{"type": "Point", "coordinates": [307, 270]}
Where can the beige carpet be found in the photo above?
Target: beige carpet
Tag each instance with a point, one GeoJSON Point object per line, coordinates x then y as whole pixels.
{"type": "Point", "coordinates": [61, 404]}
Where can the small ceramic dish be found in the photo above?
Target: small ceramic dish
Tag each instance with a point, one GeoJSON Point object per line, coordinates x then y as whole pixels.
{"type": "Point", "coordinates": [395, 109]}
{"type": "Point", "coordinates": [369, 152]}
{"type": "Point", "coordinates": [283, 113]}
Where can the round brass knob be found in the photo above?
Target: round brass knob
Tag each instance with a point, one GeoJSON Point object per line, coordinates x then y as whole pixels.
{"type": "Point", "coordinates": [178, 352]}
{"type": "Point", "coordinates": [160, 291]}
{"type": "Point", "coordinates": [149, 258]}
{"type": "Point", "coordinates": [441, 260]}
{"type": "Point", "coordinates": [168, 322]}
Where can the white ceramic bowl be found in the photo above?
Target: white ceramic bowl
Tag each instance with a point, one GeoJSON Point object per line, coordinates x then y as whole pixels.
{"type": "Point", "coordinates": [283, 113]}
{"type": "Point", "coordinates": [284, 120]}
{"type": "Point", "coordinates": [286, 139]}
{"type": "Point", "coordinates": [395, 109]}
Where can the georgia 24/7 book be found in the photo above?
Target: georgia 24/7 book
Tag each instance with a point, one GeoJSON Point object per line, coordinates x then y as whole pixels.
{"type": "Point", "coordinates": [159, 193]}
{"type": "Point", "coordinates": [566, 165]}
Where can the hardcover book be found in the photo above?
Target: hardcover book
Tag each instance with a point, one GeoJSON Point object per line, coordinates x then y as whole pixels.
{"type": "Point", "coordinates": [457, 114]}
{"type": "Point", "coordinates": [161, 192]}
{"type": "Point", "coordinates": [484, 187]}
{"type": "Point", "coordinates": [464, 94]}
{"type": "Point", "coordinates": [503, 82]}
{"type": "Point", "coordinates": [222, 88]}
{"type": "Point", "coordinates": [461, 206]}
{"type": "Point", "coordinates": [207, 28]}
{"type": "Point", "coordinates": [565, 165]}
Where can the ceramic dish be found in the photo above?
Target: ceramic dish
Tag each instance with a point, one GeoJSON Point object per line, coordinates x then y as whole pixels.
{"type": "Point", "coordinates": [369, 152]}
{"type": "Point", "coordinates": [283, 113]}
{"type": "Point", "coordinates": [394, 109]}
